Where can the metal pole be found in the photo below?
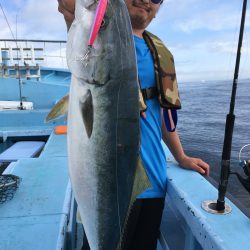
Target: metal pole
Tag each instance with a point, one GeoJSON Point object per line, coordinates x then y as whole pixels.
{"type": "Point", "coordinates": [226, 154]}
{"type": "Point", "coordinates": [32, 40]}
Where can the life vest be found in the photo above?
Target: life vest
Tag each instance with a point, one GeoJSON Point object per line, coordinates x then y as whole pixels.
{"type": "Point", "coordinates": [168, 93]}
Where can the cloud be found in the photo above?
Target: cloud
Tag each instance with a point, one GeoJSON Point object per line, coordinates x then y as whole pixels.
{"type": "Point", "coordinates": [202, 35]}
{"type": "Point", "coordinates": [43, 19]}
{"type": "Point", "coordinates": [220, 46]}
{"type": "Point", "coordinates": [35, 20]}
{"type": "Point", "coordinates": [191, 15]}
{"type": "Point", "coordinates": [210, 60]}
{"type": "Point", "coordinates": [213, 20]}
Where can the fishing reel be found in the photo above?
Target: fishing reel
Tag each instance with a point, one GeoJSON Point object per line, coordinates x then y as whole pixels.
{"type": "Point", "coordinates": [245, 164]}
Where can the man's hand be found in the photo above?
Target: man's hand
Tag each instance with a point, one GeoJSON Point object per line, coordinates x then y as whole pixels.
{"type": "Point", "coordinates": [194, 164]}
{"type": "Point", "coordinates": [174, 144]}
{"type": "Point", "coordinates": [67, 8]}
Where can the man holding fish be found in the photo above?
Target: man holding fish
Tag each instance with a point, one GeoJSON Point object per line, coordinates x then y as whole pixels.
{"type": "Point", "coordinates": [159, 100]}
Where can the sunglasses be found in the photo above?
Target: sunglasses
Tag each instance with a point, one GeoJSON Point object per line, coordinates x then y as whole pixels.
{"type": "Point", "coordinates": [157, 1]}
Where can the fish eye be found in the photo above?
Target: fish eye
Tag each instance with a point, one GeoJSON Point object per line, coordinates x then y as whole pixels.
{"type": "Point", "coordinates": [103, 23]}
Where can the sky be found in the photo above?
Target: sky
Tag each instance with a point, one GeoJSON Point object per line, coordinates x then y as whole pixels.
{"type": "Point", "coordinates": [201, 34]}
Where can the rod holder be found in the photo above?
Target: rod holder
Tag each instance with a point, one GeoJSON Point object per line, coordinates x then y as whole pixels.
{"type": "Point", "coordinates": [210, 206]}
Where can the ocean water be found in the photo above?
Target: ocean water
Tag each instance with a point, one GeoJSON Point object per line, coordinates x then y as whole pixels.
{"type": "Point", "coordinates": [201, 126]}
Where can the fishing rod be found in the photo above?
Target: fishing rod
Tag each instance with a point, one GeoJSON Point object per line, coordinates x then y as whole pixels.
{"type": "Point", "coordinates": [226, 154]}
{"type": "Point", "coordinates": [18, 66]}
{"type": "Point", "coordinates": [19, 76]}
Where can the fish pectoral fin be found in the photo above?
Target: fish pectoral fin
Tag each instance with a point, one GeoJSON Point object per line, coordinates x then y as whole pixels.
{"type": "Point", "coordinates": [60, 109]}
{"type": "Point", "coordinates": [78, 216]}
{"type": "Point", "coordinates": [86, 108]}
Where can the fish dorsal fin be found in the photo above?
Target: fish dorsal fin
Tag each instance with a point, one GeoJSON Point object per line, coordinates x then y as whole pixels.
{"type": "Point", "coordinates": [86, 109]}
{"type": "Point", "coordinates": [60, 109]}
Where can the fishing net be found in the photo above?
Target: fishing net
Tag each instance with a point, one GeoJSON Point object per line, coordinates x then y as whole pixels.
{"type": "Point", "coordinates": [8, 185]}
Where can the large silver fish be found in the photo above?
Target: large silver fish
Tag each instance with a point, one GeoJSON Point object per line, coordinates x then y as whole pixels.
{"type": "Point", "coordinates": [103, 122]}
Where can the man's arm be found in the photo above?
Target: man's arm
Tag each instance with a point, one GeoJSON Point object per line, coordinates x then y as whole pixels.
{"type": "Point", "coordinates": [67, 8]}
{"type": "Point", "coordinates": [173, 142]}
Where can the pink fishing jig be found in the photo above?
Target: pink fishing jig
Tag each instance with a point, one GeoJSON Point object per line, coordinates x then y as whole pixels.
{"type": "Point", "coordinates": [100, 11]}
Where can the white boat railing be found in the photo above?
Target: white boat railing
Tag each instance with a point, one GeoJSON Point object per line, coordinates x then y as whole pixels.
{"type": "Point", "coordinates": [26, 56]}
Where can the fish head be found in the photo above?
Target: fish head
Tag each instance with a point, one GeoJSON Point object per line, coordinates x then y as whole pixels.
{"type": "Point", "coordinates": [96, 64]}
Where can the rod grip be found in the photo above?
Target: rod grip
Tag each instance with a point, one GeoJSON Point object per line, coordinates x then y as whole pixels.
{"type": "Point", "coordinates": [226, 154]}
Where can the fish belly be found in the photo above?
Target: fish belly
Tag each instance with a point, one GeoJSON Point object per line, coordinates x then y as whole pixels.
{"type": "Point", "coordinates": [102, 166]}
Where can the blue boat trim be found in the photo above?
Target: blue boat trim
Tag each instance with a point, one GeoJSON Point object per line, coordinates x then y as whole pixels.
{"type": "Point", "coordinates": [197, 228]}
{"type": "Point", "coordinates": [62, 238]}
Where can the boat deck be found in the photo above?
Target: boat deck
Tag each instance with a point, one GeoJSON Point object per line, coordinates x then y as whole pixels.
{"type": "Point", "coordinates": [41, 204]}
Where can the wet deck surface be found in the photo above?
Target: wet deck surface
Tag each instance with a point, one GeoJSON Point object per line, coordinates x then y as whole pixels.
{"type": "Point", "coordinates": [34, 218]}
